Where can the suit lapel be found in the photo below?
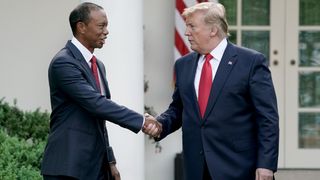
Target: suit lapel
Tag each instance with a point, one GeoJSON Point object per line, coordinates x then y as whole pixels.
{"type": "Point", "coordinates": [226, 65]}
{"type": "Point", "coordinates": [195, 60]}
{"type": "Point", "coordinates": [89, 74]}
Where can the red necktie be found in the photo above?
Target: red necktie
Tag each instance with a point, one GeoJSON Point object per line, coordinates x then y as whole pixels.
{"type": "Point", "coordinates": [94, 70]}
{"type": "Point", "coordinates": [205, 84]}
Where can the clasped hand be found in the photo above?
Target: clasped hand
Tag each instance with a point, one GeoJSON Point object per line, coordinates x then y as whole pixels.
{"type": "Point", "coordinates": [151, 126]}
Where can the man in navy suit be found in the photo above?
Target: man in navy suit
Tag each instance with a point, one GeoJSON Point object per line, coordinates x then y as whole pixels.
{"type": "Point", "coordinates": [78, 146]}
{"type": "Point", "coordinates": [229, 122]}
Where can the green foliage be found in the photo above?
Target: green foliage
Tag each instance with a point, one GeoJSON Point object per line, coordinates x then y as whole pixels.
{"type": "Point", "coordinates": [20, 159]}
{"type": "Point", "coordinates": [22, 140]}
{"type": "Point", "coordinates": [25, 125]}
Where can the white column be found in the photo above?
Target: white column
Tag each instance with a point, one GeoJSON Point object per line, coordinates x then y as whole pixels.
{"type": "Point", "coordinates": [159, 61]}
{"type": "Point", "coordinates": [123, 57]}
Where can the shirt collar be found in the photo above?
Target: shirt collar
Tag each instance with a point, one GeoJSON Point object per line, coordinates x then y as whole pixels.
{"type": "Point", "coordinates": [84, 51]}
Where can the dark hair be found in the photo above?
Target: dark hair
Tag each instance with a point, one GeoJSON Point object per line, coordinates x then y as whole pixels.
{"type": "Point", "coordinates": [81, 14]}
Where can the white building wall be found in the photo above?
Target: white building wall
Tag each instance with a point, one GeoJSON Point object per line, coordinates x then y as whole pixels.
{"type": "Point", "coordinates": [31, 33]}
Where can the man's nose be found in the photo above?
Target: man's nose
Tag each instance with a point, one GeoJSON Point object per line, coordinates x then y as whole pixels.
{"type": "Point", "coordinates": [187, 33]}
{"type": "Point", "coordinates": [105, 31]}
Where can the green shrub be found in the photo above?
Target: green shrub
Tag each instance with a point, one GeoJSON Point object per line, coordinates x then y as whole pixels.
{"type": "Point", "coordinates": [22, 140]}
{"type": "Point", "coordinates": [26, 125]}
{"type": "Point", "coordinates": [20, 159]}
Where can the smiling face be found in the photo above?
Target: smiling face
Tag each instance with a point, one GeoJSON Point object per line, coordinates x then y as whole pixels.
{"type": "Point", "coordinates": [93, 33]}
{"type": "Point", "coordinates": [200, 34]}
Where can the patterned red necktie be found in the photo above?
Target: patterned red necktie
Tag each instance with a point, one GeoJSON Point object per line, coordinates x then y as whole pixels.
{"type": "Point", "coordinates": [205, 84]}
{"type": "Point", "coordinates": [94, 70]}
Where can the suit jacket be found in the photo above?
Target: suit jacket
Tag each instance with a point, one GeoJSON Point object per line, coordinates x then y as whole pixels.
{"type": "Point", "coordinates": [239, 131]}
{"type": "Point", "coordinates": [77, 144]}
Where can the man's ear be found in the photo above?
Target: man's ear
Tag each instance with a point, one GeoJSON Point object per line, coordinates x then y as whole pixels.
{"type": "Point", "coordinates": [81, 27]}
{"type": "Point", "coordinates": [214, 31]}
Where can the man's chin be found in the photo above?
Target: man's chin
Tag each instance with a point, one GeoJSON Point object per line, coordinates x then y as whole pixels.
{"type": "Point", "coordinates": [99, 46]}
{"type": "Point", "coordinates": [193, 48]}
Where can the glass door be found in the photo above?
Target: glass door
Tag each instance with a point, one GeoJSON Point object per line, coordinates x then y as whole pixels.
{"type": "Point", "coordinates": [302, 84]}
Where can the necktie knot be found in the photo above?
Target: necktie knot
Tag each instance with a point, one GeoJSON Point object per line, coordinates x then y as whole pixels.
{"type": "Point", "coordinates": [208, 57]}
{"type": "Point", "coordinates": [93, 60]}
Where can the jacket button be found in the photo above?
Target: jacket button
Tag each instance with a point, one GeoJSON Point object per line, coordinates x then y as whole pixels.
{"type": "Point", "coordinates": [201, 152]}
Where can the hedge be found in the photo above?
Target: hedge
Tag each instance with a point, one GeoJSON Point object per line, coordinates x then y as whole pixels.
{"type": "Point", "coordinates": [26, 125]}
{"type": "Point", "coordinates": [22, 139]}
{"type": "Point", "coordinates": [20, 159]}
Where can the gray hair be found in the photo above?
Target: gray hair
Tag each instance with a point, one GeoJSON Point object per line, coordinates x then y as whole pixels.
{"type": "Point", "coordinates": [214, 14]}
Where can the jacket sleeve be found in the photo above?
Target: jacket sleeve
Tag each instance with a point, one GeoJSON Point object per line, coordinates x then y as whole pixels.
{"type": "Point", "coordinates": [266, 113]}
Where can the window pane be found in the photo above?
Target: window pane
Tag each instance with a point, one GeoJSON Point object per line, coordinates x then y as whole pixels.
{"type": "Point", "coordinates": [309, 45]}
{"type": "Point", "coordinates": [233, 37]}
{"type": "Point", "coordinates": [258, 40]}
{"type": "Point", "coordinates": [231, 10]}
{"type": "Point", "coordinates": [255, 12]}
{"type": "Point", "coordinates": [309, 12]}
{"type": "Point", "coordinates": [309, 130]}
{"type": "Point", "coordinates": [309, 89]}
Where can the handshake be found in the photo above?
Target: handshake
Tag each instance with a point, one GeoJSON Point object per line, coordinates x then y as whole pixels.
{"type": "Point", "coordinates": [151, 126]}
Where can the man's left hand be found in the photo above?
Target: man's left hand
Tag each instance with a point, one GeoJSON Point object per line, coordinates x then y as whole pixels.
{"type": "Point", "coordinates": [264, 174]}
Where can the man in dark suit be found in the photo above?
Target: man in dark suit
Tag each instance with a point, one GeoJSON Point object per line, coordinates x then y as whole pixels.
{"type": "Point", "coordinates": [78, 146]}
{"type": "Point", "coordinates": [225, 102]}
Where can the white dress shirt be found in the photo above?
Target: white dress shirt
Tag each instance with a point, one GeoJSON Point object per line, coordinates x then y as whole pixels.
{"type": "Point", "coordinates": [217, 54]}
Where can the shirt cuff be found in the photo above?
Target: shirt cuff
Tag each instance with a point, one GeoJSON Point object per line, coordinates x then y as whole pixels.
{"type": "Point", "coordinates": [144, 120]}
